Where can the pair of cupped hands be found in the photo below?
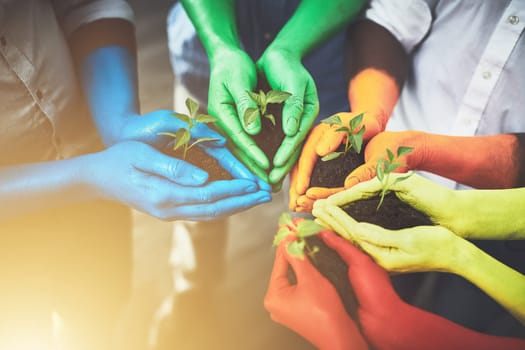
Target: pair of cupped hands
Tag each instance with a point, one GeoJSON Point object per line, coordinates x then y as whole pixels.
{"type": "Point", "coordinates": [170, 188]}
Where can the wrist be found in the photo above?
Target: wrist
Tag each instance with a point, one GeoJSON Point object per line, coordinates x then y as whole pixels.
{"type": "Point", "coordinates": [278, 52]}
{"type": "Point", "coordinates": [463, 255]}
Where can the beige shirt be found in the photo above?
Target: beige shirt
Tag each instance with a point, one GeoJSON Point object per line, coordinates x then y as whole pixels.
{"type": "Point", "coordinates": [42, 113]}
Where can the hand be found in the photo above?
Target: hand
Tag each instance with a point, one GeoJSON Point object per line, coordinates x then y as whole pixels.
{"type": "Point", "coordinates": [165, 187]}
{"type": "Point", "coordinates": [323, 140]}
{"type": "Point", "coordinates": [312, 308]}
{"type": "Point", "coordinates": [439, 203]}
{"type": "Point", "coordinates": [390, 323]}
{"type": "Point", "coordinates": [147, 128]}
{"type": "Point", "coordinates": [285, 72]}
{"type": "Point", "coordinates": [232, 74]}
{"type": "Point", "coordinates": [417, 249]}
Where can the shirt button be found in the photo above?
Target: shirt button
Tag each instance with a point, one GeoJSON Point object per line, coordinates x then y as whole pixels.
{"type": "Point", "coordinates": [513, 19]}
{"type": "Point", "coordinates": [487, 75]}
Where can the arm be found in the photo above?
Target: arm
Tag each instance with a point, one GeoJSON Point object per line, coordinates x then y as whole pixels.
{"type": "Point", "coordinates": [469, 160]}
{"type": "Point", "coordinates": [232, 73]}
{"type": "Point", "coordinates": [281, 64]}
{"type": "Point", "coordinates": [431, 248]}
{"type": "Point", "coordinates": [378, 65]}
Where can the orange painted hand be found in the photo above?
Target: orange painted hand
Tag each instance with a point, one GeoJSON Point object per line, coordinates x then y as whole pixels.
{"type": "Point", "coordinates": [312, 308]}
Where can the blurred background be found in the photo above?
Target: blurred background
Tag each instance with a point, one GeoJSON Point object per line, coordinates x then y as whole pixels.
{"type": "Point", "coordinates": [232, 316]}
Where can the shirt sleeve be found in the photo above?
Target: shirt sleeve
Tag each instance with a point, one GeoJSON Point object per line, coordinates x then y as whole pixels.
{"type": "Point", "coordinates": [74, 13]}
{"type": "Point", "coordinates": [407, 20]}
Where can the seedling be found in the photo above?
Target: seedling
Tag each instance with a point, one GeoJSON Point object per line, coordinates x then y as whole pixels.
{"type": "Point", "coordinates": [183, 135]}
{"type": "Point", "coordinates": [354, 137]}
{"type": "Point", "coordinates": [262, 99]}
{"type": "Point", "coordinates": [387, 166]}
{"type": "Point", "coordinates": [304, 229]}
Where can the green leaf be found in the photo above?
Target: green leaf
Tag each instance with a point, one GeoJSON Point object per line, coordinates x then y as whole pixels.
{"type": "Point", "coordinates": [204, 139]}
{"type": "Point", "coordinates": [166, 133]}
{"type": "Point", "coordinates": [183, 117]}
{"type": "Point", "coordinates": [308, 228]}
{"type": "Point", "coordinates": [255, 97]}
{"type": "Point", "coordinates": [381, 198]}
{"type": "Point", "coordinates": [181, 138]}
{"type": "Point", "coordinates": [262, 97]}
{"type": "Point", "coordinates": [401, 178]}
{"type": "Point", "coordinates": [314, 250]}
{"type": "Point", "coordinates": [204, 118]}
{"type": "Point", "coordinates": [391, 167]}
{"type": "Point", "coordinates": [379, 169]}
{"type": "Point", "coordinates": [356, 121]}
{"type": "Point", "coordinates": [275, 96]}
{"type": "Point", "coordinates": [402, 150]}
{"type": "Point", "coordinates": [281, 234]}
{"type": "Point", "coordinates": [250, 115]}
{"type": "Point", "coordinates": [285, 219]}
{"type": "Point", "coordinates": [344, 129]}
{"type": "Point", "coordinates": [296, 248]}
{"type": "Point", "coordinates": [271, 118]}
{"type": "Point", "coordinates": [357, 140]}
{"type": "Point", "coordinates": [334, 119]}
{"type": "Point", "coordinates": [192, 106]}
{"type": "Point", "coordinates": [390, 155]}
{"type": "Point", "coordinates": [331, 156]}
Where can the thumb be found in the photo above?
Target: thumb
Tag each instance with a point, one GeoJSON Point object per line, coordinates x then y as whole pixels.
{"type": "Point", "coordinates": [173, 169]}
{"type": "Point", "coordinates": [360, 174]}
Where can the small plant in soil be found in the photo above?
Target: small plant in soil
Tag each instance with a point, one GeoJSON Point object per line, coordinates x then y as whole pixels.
{"type": "Point", "coordinates": [300, 246]}
{"type": "Point", "coordinates": [325, 259]}
{"type": "Point", "coordinates": [183, 145]}
{"type": "Point", "coordinates": [183, 135]}
{"type": "Point", "coordinates": [262, 100]}
{"type": "Point", "coordinates": [354, 137]}
{"type": "Point", "coordinates": [386, 166]}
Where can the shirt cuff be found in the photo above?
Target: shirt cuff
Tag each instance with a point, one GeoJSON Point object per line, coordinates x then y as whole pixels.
{"type": "Point", "coordinates": [407, 20]}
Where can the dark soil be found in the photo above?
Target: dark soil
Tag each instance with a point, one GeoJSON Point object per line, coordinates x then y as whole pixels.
{"type": "Point", "coordinates": [394, 214]}
{"type": "Point", "coordinates": [198, 157]}
{"type": "Point", "coordinates": [332, 173]}
{"type": "Point", "coordinates": [334, 269]}
{"type": "Point", "coordinates": [271, 136]}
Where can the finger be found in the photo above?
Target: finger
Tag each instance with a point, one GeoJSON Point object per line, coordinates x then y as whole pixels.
{"type": "Point", "coordinates": [308, 158]}
{"type": "Point", "coordinates": [243, 102]}
{"type": "Point", "coordinates": [360, 174]}
{"type": "Point", "coordinates": [303, 269]}
{"type": "Point", "coordinates": [229, 124]}
{"type": "Point", "coordinates": [279, 172]}
{"type": "Point", "coordinates": [221, 208]}
{"type": "Point", "coordinates": [173, 169]}
{"type": "Point", "coordinates": [304, 204]}
{"type": "Point", "coordinates": [330, 141]}
{"type": "Point", "coordinates": [292, 193]}
{"type": "Point", "coordinates": [316, 193]}
{"type": "Point", "coordinates": [333, 217]}
{"type": "Point", "coordinates": [362, 190]}
{"type": "Point", "coordinates": [211, 192]}
{"type": "Point", "coordinates": [203, 131]}
{"type": "Point", "coordinates": [279, 276]}
{"type": "Point", "coordinates": [301, 109]}
{"type": "Point", "coordinates": [246, 160]}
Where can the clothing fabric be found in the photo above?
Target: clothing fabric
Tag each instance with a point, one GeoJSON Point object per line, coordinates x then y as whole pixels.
{"type": "Point", "coordinates": [467, 78]}
{"type": "Point", "coordinates": [74, 261]}
{"type": "Point", "coordinates": [43, 114]}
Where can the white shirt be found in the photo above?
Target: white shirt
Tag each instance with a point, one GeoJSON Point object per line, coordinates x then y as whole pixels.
{"type": "Point", "coordinates": [42, 114]}
{"type": "Point", "coordinates": [467, 74]}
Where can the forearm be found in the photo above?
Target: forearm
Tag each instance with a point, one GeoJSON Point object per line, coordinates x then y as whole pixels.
{"type": "Point", "coordinates": [327, 17]}
{"type": "Point", "coordinates": [502, 283]}
{"type": "Point", "coordinates": [33, 187]}
{"type": "Point", "coordinates": [478, 161]}
{"type": "Point", "coordinates": [377, 67]}
{"type": "Point", "coordinates": [105, 55]}
{"type": "Point", "coordinates": [215, 22]}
